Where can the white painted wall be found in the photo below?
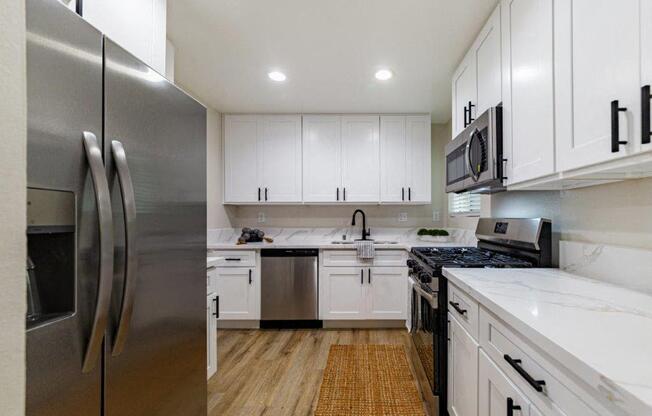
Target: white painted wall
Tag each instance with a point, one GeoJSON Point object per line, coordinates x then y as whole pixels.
{"type": "Point", "coordinates": [218, 214]}
{"type": "Point", "coordinates": [12, 207]}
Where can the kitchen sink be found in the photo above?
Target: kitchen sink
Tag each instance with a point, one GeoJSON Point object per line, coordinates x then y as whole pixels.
{"type": "Point", "coordinates": [350, 242]}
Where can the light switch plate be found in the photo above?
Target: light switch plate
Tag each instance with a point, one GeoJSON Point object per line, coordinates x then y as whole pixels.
{"type": "Point", "coordinates": [402, 216]}
{"type": "Point", "coordinates": [261, 217]}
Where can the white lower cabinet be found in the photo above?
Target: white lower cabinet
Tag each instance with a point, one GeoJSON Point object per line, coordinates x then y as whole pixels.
{"type": "Point", "coordinates": [463, 373]}
{"type": "Point", "coordinates": [349, 293]}
{"type": "Point", "coordinates": [211, 334]}
{"type": "Point", "coordinates": [497, 396]}
{"type": "Point", "coordinates": [239, 292]}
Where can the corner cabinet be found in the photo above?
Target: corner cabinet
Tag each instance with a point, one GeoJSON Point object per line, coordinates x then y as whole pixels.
{"type": "Point", "coordinates": [405, 159]}
{"type": "Point", "coordinates": [262, 159]}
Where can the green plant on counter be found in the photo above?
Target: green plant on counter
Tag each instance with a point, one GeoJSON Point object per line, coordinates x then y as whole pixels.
{"type": "Point", "coordinates": [433, 232]}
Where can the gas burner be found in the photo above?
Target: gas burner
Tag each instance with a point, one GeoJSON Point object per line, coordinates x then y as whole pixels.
{"type": "Point", "coordinates": [438, 257]}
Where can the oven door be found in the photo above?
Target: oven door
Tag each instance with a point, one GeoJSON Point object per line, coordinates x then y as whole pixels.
{"type": "Point", "coordinates": [425, 329]}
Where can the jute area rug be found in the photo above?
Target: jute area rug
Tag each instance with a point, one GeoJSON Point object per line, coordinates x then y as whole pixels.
{"type": "Point", "coordinates": [368, 380]}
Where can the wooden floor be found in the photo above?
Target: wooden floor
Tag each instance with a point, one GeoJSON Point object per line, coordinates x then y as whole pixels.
{"type": "Point", "coordinates": [278, 372]}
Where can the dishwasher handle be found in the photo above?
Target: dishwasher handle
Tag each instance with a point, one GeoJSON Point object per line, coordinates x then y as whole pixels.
{"type": "Point", "coordinates": [289, 252]}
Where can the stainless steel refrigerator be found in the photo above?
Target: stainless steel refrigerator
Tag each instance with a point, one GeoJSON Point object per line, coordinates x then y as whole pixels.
{"type": "Point", "coordinates": [116, 232]}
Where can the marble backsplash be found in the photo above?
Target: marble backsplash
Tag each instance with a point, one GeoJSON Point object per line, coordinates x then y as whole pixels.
{"type": "Point", "coordinates": [322, 235]}
{"type": "Point", "coordinates": [623, 266]}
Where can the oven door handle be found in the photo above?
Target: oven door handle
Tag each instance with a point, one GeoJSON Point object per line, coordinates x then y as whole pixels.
{"type": "Point", "coordinates": [431, 298]}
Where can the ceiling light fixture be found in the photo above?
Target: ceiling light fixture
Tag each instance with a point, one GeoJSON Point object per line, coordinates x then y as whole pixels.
{"type": "Point", "coordinates": [384, 74]}
{"type": "Point", "coordinates": [277, 76]}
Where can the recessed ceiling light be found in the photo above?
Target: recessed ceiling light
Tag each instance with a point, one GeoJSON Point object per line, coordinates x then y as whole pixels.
{"type": "Point", "coordinates": [384, 74]}
{"type": "Point", "coordinates": [277, 76]}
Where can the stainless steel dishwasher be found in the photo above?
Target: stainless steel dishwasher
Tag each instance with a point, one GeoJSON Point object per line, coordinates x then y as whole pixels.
{"type": "Point", "coordinates": [289, 288]}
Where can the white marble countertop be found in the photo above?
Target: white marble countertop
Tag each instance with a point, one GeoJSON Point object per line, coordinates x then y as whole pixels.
{"type": "Point", "coordinates": [322, 238]}
{"type": "Point", "coordinates": [598, 331]}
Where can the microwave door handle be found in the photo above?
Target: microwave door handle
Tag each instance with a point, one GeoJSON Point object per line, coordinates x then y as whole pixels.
{"type": "Point", "coordinates": [131, 260]}
{"type": "Point", "coordinates": [105, 279]}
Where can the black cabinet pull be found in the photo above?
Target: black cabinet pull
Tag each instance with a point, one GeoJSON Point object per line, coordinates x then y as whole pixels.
{"type": "Point", "coordinates": [456, 306]}
{"type": "Point", "coordinates": [645, 114]}
{"type": "Point", "coordinates": [511, 407]}
{"type": "Point", "coordinates": [471, 119]}
{"type": "Point", "coordinates": [403, 194]}
{"type": "Point", "coordinates": [516, 365]}
{"type": "Point", "coordinates": [369, 276]}
{"type": "Point", "coordinates": [216, 299]}
{"type": "Point", "coordinates": [250, 280]}
{"type": "Point", "coordinates": [409, 194]}
{"type": "Point", "coordinates": [615, 127]}
{"type": "Point", "coordinates": [361, 277]}
{"type": "Point", "coordinates": [259, 194]}
{"type": "Point", "coordinates": [345, 194]}
{"type": "Point", "coordinates": [465, 111]}
{"type": "Point", "coordinates": [337, 194]}
{"type": "Point", "coordinates": [233, 259]}
{"type": "Point", "coordinates": [265, 193]}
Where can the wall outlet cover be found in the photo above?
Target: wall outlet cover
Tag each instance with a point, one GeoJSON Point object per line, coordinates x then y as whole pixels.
{"type": "Point", "coordinates": [435, 216]}
{"type": "Point", "coordinates": [261, 217]}
{"type": "Point", "coordinates": [402, 216]}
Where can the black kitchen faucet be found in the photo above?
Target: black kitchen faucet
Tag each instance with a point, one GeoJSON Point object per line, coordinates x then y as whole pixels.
{"type": "Point", "coordinates": [365, 233]}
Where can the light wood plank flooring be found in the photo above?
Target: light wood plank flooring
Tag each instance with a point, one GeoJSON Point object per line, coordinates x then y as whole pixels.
{"type": "Point", "coordinates": [279, 372]}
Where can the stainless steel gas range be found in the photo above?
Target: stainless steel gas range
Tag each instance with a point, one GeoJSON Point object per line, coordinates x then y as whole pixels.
{"type": "Point", "coordinates": [502, 243]}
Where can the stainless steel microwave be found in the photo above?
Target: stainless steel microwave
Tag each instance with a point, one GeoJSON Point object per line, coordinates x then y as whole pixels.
{"type": "Point", "coordinates": [474, 159]}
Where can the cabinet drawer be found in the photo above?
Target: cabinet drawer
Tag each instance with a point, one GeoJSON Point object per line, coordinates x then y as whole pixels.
{"type": "Point", "coordinates": [349, 258]}
{"type": "Point", "coordinates": [526, 368]}
{"type": "Point", "coordinates": [464, 309]}
{"type": "Point", "coordinates": [235, 258]}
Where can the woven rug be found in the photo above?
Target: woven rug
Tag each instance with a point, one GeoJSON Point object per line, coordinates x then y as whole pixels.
{"type": "Point", "coordinates": [368, 380]}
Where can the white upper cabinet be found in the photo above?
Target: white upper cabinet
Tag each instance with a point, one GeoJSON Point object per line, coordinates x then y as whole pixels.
{"type": "Point", "coordinates": [488, 64]}
{"type": "Point", "coordinates": [280, 145]}
{"type": "Point", "coordinates": [598, 50]}
{"type": "Point", "coordinates": [322, 150]}
{"type": "Point", "coordinates": [405, 159]}
{"type": "Point", "coordinates": [360, 159]}
{"type": "Point", "coordinates": [646, 68]}
{"type": "Point", "coordinates": [138, 26]}
{"type": "Point", "coordinates": [262, 159]}
{"type": "Point", "coordinates": [241, 159]}
{"type": "Point", "coordinates": [528, 107]}
{"type": "Point", "coordinates": [464, 93]}
{"type": "Point", "coordinates": [393, 159]}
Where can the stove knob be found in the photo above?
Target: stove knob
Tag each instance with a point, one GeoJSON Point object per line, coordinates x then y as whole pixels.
{"type": "Point", "coordinates": [411, 263]}
{"type": "Point", "coordinates": [425, 277]}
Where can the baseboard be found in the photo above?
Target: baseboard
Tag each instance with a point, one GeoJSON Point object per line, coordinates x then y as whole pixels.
{"type": "Point", "coordinates": [350, 324]}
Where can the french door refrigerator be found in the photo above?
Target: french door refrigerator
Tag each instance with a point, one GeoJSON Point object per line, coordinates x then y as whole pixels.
{"type": "Point", "coordinates": [116, 322]}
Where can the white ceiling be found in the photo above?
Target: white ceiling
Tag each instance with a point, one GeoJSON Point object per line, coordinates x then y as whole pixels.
{"type": "Point", "coordinates": [329, 50]}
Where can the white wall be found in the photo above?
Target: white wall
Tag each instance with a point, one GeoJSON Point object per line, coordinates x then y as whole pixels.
{"type": "Point", "coordinates": [218, 214]}
{"type": "Point", "coordinates": [12, 207]}
{"type": "Point", "coordinates": [340, 216]}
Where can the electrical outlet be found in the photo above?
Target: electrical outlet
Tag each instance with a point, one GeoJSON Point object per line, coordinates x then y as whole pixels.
{"type": "Point", "coordinates": [402, 216]}
{"type": "Point", "coordinates": [261, 217]}
{"type": "Point", "coordinates": [435, 216]}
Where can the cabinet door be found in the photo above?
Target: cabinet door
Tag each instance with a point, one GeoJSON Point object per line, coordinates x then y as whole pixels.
{"type": "Point", "coordinates": [598, 48]}
{"type": "Point", "coordinates": [322, 175]}
{"type": "Point", "coordinates": [361, 158]}
{"type": "Point", "coordinates": [386, 292]}
{"type": "Point", "coordinates": [646, 61]}
{"type": "Point", "coordinates": [342, 293]}
{"type": "Point", "coordinates": [393, 159]}
{"type": "Point", "coordinates": [496, 393]}
{"type": "Point", "coordinates": [280, 145]}
{"type": "Point", "coordinates": [241, 159]}
{"type": "Point", "coordinates": [528, 110]}
{"type": "Point", "coordinates": [211, 335]}
{"type": "Point", "coordinates": [463, 398]}
{"type": "Point", "coordinates": [418, 159]}
{"type": "Point", "coordinates": [464, 91]}
{"type": "Point", "coordinates": [488, 64]}
{"type": "Point", "coordinates": [238, 290]}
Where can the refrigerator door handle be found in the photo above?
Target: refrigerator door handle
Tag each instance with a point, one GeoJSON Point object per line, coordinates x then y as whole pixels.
{"type": "Point", "coordinates": [105, 280]}
{"type": "Point", "coordinates": [131, 259]}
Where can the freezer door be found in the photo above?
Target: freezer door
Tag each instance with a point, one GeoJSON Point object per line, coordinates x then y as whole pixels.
{"type": "Point", "coordinates": [156, 343]}
{"type": "Point", "coordinates": [64, 99]}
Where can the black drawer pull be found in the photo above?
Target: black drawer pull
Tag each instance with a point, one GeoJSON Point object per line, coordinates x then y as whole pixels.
{"type": "Point", "coordinates": [615, 126]}
{"type": "Point", "coordinates": [216, 314]}
{"type": "Point", "coordinates": [456, 306]}
{"type": "Point", "coordinates": [361, 277]}
{"type": "Point", "coordinates": [259, 194]}
{"type": "Point", "coordinates": [250, 276]}
{"type": "Point", "coordinates": [409, 193]}
{"type": "Point", "coordinates": [516, 365]}
{"type": "Point", "coordinates": [645, 114]}
{"type": "Point", "coordinates": [233, 259]}
{"type": "Point", "coordinates": [403, 194]}
{"type": "Point", "coordinates": [337, 194]}
{"type": "Point", "coordinates": [511, 407]}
